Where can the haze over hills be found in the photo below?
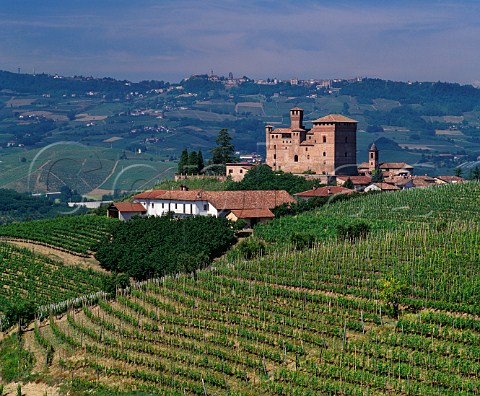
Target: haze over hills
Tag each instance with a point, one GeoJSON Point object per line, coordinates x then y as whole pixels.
{"type": "Point", "coordinates": [99, 136]}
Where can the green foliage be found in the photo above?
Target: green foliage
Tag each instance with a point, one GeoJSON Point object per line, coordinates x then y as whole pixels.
{"type": "Point", "coordinates": [392, 291]}
{"type": "Point", "coordinates": [301, 240]}
{"type": "Point", "coordinates": [262, 177]}
{"type": "Point", "coordinates": [377, 175]}
{"type": "Point", "coordinates": [16, 207]}
{"type": "Point", "coordinates": [78, 234]}
{"type": "Point", "coordinates": [222, 153]}
{"type": "Point", "coordinates": [155, 246]}
{"type": "Point", "coordinates": [349, 184]}
{"type": "Point", "coordinates": [353, 231]}
{"type": "Point", "coordinates": [183, 162]}
{"type": "Point", "coordinates": [30, 280]}
{"type": "Point", "coordinates": [16, 363]}
{"type": "Point", "coordinates": [114, 281]}
{"type": "Point", "coordinates": [251, 247]}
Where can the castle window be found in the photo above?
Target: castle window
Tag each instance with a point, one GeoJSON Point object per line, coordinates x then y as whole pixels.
{"type": "Point", "coordinates": [308, 156]}
{"type": "Point", "coordinates": [295, 158]}
{"type": "Point", "coordinates": [306, 148]}
{"type": "Point", "coordinates": [324, 154]}
{"type": "Point", "coordinates": [324, 162]}
{"type": "Point", "coordinates": [274, 156]}
{"type": "Point", "coordinates": [241, 170]}
{"type": "Point", "coordinates": [309, 138]}
{"type": "Point", "coordinates": [346, 139]}
{"type": "Point", "coordinates": [371, 155]}
{"type": "Point", "coordinates": [324, 139]}
{"type": "Point", "coordinates": [346, 154]}
{"type": "Point", "coordinates": [274, 146]}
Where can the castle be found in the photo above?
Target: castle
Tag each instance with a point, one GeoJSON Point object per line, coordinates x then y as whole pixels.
{"type": "Point", "coordinates": [328, 148]}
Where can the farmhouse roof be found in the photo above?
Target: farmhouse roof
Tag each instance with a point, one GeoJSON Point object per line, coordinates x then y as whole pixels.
{"type": "Point", "coordinates": [395, 165]}
{"type": "Point", "coordinates": [253, 199]}
{"type": "Point", "coordinates": [450, 179]}
{"type": "Point", "coordinates": [356, 180]}
{"type": "Point", "coordinates": [224, 200]}
{"type": "Point", "coordinates": [129, 207]}
{"type": "Point", "coordinates": [386, 186]}
{"type": "Point", "coordinates": [334, 118]}
{"type": "Point", "coordinates": [253, 213]}
{"type": "Point", "coordinates": [326, 191]}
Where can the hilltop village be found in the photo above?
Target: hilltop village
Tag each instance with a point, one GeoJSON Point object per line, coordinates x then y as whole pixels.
{"type": "Point", "coordinates": [326, 153]}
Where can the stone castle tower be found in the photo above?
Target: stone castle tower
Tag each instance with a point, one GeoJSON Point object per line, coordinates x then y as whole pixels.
{"type": "Point", "coordinates": [328, 148]}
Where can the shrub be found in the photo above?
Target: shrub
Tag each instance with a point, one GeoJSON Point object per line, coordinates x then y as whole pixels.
{"type": "Point", "coordinates": [251, 247]}
{"type": "Point", "coordinates": [301, 240]}
{"type": "Point", "coordinates": [353, 231]}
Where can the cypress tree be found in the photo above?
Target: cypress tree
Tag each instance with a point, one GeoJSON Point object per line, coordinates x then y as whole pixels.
{"type": "Point", "coordinates": [183, 162]}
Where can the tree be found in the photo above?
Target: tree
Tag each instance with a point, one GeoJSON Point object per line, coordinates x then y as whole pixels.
{"type": "Point", "coordinates": [201, 163]}
{"type": "Point", "coordinates": [476, 174]}
{"type": "Point", "coordinates": [182, 163]}
{"type": "Point", "coordinates": [377, 175]}
{"type": "Point", "coordinates": [391, 291]}
{"type": "Point", "coordinates": [192, 166]}
{"type": "Point", "coordinates": [458, 172]}
{"type": "Point", "coordinates": [349, 184]}
{"type": "Point", "coordinates": [223, 152]}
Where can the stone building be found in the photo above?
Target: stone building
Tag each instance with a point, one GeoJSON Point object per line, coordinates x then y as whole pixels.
{"type": "Point", "coordinates": [328, 148]}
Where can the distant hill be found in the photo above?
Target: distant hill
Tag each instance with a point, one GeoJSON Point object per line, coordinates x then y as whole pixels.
{"type": "Point", "coordinates": [102, 136]}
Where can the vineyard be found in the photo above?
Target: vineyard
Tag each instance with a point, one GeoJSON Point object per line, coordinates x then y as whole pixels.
{"type": "Point", "coordinates": [27, 276]}
{"type": "Point", "coordinates": [295, 322]}
{"type": "Point", "coordinates": [307, 322]}
{"type": "Point", "coordinates": [404, 209]}
{"type": "Point", "coordinates": [75, 234]}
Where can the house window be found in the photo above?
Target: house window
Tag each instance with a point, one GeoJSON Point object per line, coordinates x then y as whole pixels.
{"type": "Point", "coordinates": [346, 154]}
{"type": "Point", "coordinates": [176, 206]}
{"type": "Point", "coordinates": [324, 139]}
{"type": "Point", "coordinates": [241, 170]}
{"type": "Point", "coordinates": [163, 205]}
{"type": "Point", "coordinates": [295, 158]}
{"type": "Point", "coordinates": [205, 206]}
{"type": "Point", "coordinates": [346, 139]}
{"type": "Point", "coordinates": [230, 171]}
{"type": "Point", "coordinates": [153, 204]}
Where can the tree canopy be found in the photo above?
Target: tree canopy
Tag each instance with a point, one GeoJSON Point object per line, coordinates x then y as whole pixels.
{"type": "Point", "coordinates": [155, 246]}
{"type": "Point", "coordinates": [222, 153]}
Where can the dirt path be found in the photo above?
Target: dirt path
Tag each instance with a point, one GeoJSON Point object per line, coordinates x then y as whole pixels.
{"type": "Point", "coordinates": [30, 389]}
{"type": "Point", "coordinates": [67, 258]}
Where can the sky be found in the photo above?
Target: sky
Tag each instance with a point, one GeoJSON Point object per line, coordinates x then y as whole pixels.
{"type": "Point", "coordinates": [171, 39]}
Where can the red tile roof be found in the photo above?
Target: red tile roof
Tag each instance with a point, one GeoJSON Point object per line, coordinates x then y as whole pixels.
{"type": "Point", "coordinates": [386, 186]}
{"type": "Point", "coordinates": [253, 213]}
{"type": "Point", "coordinates": [129, 207]}
{"type": "Point", "coordinates": [334, 118]}
{"type": "Point", "coordinates": [451, 179]}
{"type": "Point", "coordinates": [254, 199]}
{"type": "Point", "coordinates": [326, 191]}
{"type": "Point", "coordinates": [395, 165]}
{"type": "Point", "coordinates": [224, 200]}
{"type": "Point", "coordinates": [359, 180]}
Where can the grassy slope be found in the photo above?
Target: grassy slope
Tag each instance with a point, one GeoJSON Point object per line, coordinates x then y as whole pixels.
{"type": "Point", "coordinates": [303, 322]}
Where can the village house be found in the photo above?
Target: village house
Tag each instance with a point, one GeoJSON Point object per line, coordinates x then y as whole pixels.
{"type": "Point", "coordinates": [326, 191]}
{"type": "Point", "coordinates": [252, 206]}
{"type": "Point", "coordinates": [359, 182]}
{"type": "Point", "coordinates": [387, 168]}
{"type": "Point", "coordinates": [238, 170]}
{"type": "Point", "coordinates": [385, 187]}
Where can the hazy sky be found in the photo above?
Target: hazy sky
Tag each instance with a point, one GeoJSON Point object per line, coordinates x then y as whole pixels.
{"type": "Point", "coordinates": [171, 39]}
